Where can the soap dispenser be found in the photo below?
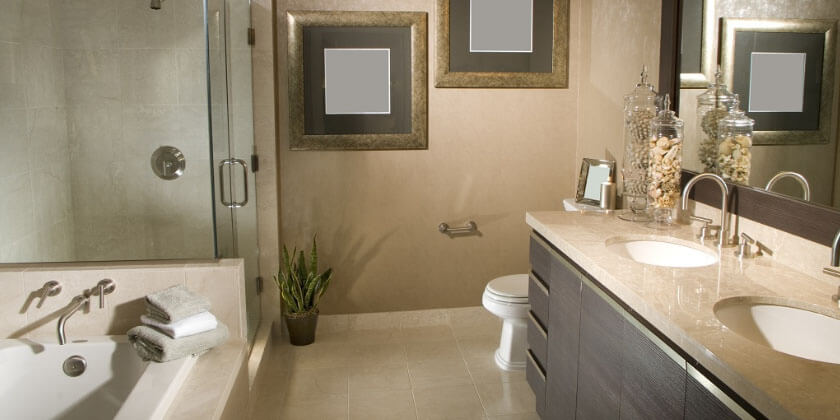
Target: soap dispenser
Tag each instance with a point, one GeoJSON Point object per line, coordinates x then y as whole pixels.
{"type": "Point", "coordinates": [608, 194]}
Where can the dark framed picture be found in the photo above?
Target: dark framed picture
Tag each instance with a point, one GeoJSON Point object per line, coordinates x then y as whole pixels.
{"type": "Point", "coordinates": [357, 80]}
{"type": "Point", "coordinates": [783, 72]}
{"type": "Point", "coordinates": [502, 44]}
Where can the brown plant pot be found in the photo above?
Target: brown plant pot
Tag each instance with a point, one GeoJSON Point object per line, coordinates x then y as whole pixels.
{"type": "Point", "coordinates": [301, 327]}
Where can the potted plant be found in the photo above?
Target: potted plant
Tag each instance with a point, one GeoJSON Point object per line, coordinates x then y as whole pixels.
{"type": "Point", "coordinates": [301, 288]}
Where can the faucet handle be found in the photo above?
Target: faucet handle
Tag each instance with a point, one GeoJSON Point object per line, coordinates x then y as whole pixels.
{"type": "Point", "coordinates": [105, 287]}
{"type": "Point", "coordinates": [704, 230]}
{"type": "Point", "coordinates": [744, 249]}
{"type": "Point", "coordinates": [50, 288]}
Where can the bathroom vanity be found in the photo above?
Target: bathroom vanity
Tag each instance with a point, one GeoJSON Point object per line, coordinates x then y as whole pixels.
{"type": "Point", "coordinates": [610, 337]}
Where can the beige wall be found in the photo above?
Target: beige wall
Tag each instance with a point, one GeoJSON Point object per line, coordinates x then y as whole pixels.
{"type": "Point", "coordinates": [618, 38]}
{"type": "Point", "coordinates": [492, 155]}
{"type": "Point", "coordinates": [817, 161]}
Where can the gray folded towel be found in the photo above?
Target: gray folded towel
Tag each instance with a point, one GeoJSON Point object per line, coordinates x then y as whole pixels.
{"type": "Point", "coordinates": [174, 304]}
{"type": "Point", "coordinates": [154, 345]}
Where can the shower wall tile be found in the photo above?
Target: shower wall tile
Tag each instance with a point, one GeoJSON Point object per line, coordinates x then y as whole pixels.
{"type": "Point", "coordinates": [89, 24]}
{"type": "Point", "coordinates": [11, 63]}
{"type": "Point", "coordinates": [189, 24]}
{"type": "Point", "coordinates": [94, 76]}
{"type": "Point", "coordinates": [44, 76]}
{"type": "Point", "coordinates": [141, 27]}
{"type": "Point", "coordinates": [192, 78]}
{"type": "Point", "coordinates": [15, 142]}
{"type": "Point", "coordinates": [147, 76]}
{"type": "Point", "coordinates": [94, 132]}
{"type": "Point", "coordinates": [48, 145]}
{"type": "Point", "coordinates": [16, 218]}
{"type": "Point", "coordinates": [10, 22]}
{"type": "Point", "coordinates": [37, 25]}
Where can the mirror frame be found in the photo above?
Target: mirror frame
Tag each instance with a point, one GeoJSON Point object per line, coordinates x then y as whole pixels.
{"type": "Point", "coordinates": [810, 221]}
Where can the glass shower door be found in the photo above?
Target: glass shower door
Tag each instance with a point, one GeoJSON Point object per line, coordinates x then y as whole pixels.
{"type": "Point", "coordinates": [231, 119]}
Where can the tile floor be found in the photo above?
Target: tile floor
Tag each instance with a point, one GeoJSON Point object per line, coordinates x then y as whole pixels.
{"type": "Point", "coordinates": [404, 365]}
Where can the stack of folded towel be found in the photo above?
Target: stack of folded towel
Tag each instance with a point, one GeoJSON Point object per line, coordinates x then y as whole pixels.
{"type": "Point", "coordinates": [177, 323]}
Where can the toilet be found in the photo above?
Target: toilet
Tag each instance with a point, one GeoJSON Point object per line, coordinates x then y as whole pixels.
{"type": "Point", "coordinates": [507, 298]}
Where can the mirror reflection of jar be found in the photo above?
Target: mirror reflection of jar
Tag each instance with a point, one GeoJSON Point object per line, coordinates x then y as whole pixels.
{"type": "Point", "coordinates": [640, 106]}
{"type": "Point", "coordinates": [665, 147]}
{"type": "Point", "coordinates": [734, 157]}
{"type": "Point", "coordinates": [712, 105]}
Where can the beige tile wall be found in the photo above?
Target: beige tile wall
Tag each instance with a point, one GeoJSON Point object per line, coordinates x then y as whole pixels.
{"type": "Point", "coordinates": [36, 213]}
{"type": "Point", "coordinates": [220, 281]}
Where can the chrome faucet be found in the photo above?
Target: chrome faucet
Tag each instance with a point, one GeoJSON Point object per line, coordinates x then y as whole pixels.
{"type": "Point", "coordinates": [74, 306]}
{"type": "Point", "coordinates": [806, 188]}
{"type": "Point", "coordinates": [724, 205]}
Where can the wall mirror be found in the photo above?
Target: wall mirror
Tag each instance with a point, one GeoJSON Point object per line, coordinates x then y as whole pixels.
{"type": "Point", "coordinates": [705, 19]}
{"type": "Point", "coordinates": [817, 163]}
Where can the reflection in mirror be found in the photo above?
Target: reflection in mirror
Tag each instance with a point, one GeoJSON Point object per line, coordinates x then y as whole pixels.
{"type": "Point", "coordinates": [815, 163]}
{"type": "Point", "coordinates": [593, 173]}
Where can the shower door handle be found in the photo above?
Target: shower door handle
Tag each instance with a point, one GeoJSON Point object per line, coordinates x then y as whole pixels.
{"type": "Point", "coordinates": [231, 162]}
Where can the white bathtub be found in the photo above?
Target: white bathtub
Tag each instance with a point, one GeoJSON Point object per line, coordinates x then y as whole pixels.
{"type": "Point", "coordinates": [115, 385]}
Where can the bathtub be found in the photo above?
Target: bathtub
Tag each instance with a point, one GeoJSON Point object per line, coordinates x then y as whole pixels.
{"type": "Point", "coordinates": [115, 385]}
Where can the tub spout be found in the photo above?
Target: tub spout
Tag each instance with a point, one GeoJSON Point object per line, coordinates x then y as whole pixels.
{"type": "Point", "coordinates": [74, 306]}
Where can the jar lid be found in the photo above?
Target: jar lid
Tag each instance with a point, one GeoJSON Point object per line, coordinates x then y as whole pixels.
{"type": "Point", "coordinates": [717, 94]}
{"type": "Point", "coordinates": [666, 117]}
{"type": "Point", "coordinates": [643, 90]}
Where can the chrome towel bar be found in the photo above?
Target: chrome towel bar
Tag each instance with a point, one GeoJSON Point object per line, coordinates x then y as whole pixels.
{"type": "Point", "coordinates": [468, 227]}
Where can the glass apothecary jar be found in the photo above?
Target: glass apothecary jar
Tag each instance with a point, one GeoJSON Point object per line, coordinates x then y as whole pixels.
{"type": "Point", "coordinates": [734, 157]}
{"type": "Point", "coordinates": [665, 153]}
{"type": "Point", "coordinates": [640, 106]}
{"type": "Point", "coordinates": [712, 105]}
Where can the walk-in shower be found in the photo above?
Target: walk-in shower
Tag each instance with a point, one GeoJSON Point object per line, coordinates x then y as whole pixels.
{"type": "Point", "coordinates": [89, 91]}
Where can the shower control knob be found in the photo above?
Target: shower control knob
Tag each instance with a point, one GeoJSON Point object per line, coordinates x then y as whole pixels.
{"type": "Point", "coordinates": [50, 288]}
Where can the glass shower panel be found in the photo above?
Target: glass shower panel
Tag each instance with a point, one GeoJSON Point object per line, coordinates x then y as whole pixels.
{"type": "Point", "coordinates": [233, 143]}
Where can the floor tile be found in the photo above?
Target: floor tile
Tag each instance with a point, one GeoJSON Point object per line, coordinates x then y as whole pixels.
{"type": "Point", "coordinates": [309, 384]}
{"type": "Point", "coordinates": [332, 407]}
{"type": "Point", "coordinates": [455, 402]}
{"type": "Point", "coordinates": [523, 416]}
{"type": "Point", "coordinates": [437, 368]}
{"type": "Point", "coordinates": [506, 397]}
{"type": "Point", "coordinates": [379, 378]}
{"type": "Point", "coordinates": [382, 404]}
{"type": "Point", "coordinates": [432, 350]}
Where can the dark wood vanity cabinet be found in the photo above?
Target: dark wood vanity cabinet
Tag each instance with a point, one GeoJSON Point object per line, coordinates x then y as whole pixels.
{"type": "Point", "coordinates": [595, 360]}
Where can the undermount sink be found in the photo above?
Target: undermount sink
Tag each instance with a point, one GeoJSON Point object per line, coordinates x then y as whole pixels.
{"type": "Point", "coordinates": [664, 252]}
{"type": "Point", "coordinates": [783, 325]}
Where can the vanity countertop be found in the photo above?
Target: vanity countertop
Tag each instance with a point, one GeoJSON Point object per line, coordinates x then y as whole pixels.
{"type": "Point", "coordinates": [679, 303]}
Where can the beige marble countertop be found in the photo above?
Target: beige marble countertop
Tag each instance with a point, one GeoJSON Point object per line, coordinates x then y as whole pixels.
{"type": "Point", "coordinates": [679, 303]}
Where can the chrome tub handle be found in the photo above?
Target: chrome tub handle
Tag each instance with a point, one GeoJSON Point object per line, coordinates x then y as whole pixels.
{"type": "Point", "coordinates": [468, 227]}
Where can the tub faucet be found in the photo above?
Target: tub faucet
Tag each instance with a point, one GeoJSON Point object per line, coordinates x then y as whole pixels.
{"type": "Point", "coordinates": [74, 306]}
{"type": "Point", "coordinates": [724, 205]}
{"type": "Point", "coordinates": [835, 261]}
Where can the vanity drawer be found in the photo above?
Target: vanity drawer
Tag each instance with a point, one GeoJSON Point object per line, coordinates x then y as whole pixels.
{"type": "Point", "coordinates": [535, 376]}
{"type": "Point", "coordinates": [538, 298]}
{"type": "Point", "coordinates": [537, 339]}
{"type": "Point", "coordinates": [540, 258]}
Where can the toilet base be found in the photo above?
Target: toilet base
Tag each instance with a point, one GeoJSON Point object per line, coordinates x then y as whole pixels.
{"type": "Point", "coordinates": [508, 365]}
{"type": "Point", "coordinates": [512, 344]}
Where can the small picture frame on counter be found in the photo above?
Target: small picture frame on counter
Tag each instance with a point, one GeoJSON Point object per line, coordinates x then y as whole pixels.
{"type": "Point", "coordinates": [593, 172]}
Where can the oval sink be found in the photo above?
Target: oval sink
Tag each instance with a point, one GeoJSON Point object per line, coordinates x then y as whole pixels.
{"type": "Point", "coordinates": [785, 326]}
{"type": "Point", "coordinates": [666, 252]}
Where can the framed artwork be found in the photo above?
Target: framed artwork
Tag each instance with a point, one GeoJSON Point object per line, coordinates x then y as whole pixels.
{"type": "Point", "coordinates": [357, 80]}
{"type": "Point", "coordinates": [697, 39]}
{"type": "Point", "coordinates": [783, 72]}
{"type": "Point", "coordinates": [593, 172]}
{"type": "Point", "coordinates": [502, 44]}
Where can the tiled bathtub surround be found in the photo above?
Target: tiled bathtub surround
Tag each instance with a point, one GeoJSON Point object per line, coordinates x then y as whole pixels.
{"type": "Point", "coordinates": [432, 364]}
{"type": "Point", "coordinates": [221, 282]}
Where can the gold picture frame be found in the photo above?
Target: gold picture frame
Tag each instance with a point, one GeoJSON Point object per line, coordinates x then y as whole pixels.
{"type": "Point", "coordinates": [558, 77]}
{"type": "Point", "coordinates": [730, 28]}
{"type": "Point", "coordinates": [416, 23]}
{"type": "Point", "coordinates": [708, 59]}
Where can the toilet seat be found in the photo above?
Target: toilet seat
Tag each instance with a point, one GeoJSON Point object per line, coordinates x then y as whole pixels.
{"type": "Point", "coordinates": [509, 289]}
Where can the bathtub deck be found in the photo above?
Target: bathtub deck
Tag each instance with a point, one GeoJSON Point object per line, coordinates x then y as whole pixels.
{"type": "Point", "coordinates": [365, 367]}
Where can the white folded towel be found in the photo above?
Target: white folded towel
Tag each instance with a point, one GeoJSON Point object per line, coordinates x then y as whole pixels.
{"type": "Point", "coordinates": [198, 323]}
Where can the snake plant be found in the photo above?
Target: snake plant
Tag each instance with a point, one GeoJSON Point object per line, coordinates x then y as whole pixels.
{"type": "Point", "coordinates": [300, 285]}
